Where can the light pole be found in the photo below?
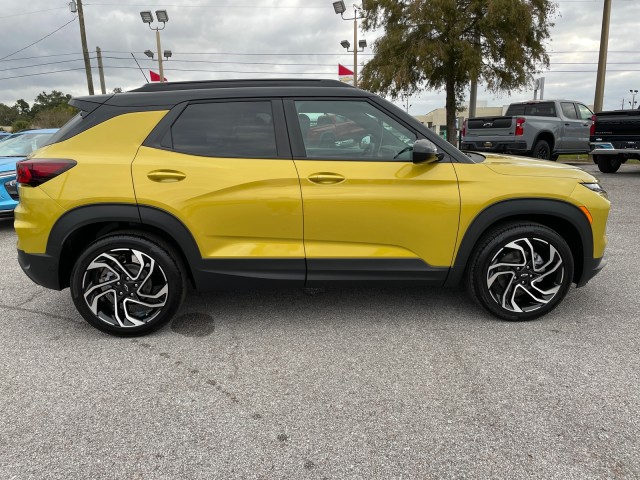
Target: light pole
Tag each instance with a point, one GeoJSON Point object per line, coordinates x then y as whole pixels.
{"type": "Point", "coordinates": [163, 17]}
{"type": "Point", "coordinates": [361, 44]}
{"type": "Point", "coordinates": [340, 8]}
{"type": "Point", "coordinates": [633, 98]}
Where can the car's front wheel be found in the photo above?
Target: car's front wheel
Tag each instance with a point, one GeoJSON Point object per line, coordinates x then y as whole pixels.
{"type": "Point", "coordinates": [126, 284]}
{"type": "Point", "coordinates": [607, 164]}
{"type": "Point", "coordinates": [520, 271]}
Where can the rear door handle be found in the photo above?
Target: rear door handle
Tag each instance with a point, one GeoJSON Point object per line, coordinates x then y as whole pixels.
{"type": "Point", "coordinates": [166, 176]}
{"type": "Point", "coordinates": [326, 178]}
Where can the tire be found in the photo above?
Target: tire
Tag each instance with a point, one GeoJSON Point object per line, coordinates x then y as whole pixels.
{"type": "Point", "coordinates": [503, 279]}
{"type": "Point", "coordinates": [541, 150]}
{"type": "Point", "coordinates": [127, 285]}
{"type": "Point", "coordinates": [607, 164]}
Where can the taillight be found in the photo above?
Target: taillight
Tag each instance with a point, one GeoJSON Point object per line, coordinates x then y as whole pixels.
{"type": "Point", "coordinates": [464, 128]}
{"type": "Point", "coordinates": [37, 171]}
{"type": "Point", "coordinates": [592, 130]}
{"type": "Point", "coordinates": [519, 126]}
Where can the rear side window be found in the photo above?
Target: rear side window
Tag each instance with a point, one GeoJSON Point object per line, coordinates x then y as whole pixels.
{"type": "Point", "coordinates": [542, 109]}
{"type": "Point", "coordinates": [226, 129]}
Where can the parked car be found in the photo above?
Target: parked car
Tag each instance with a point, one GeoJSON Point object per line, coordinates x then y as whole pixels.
{"type": "Point", "coordinates": [540, 129]}
{"type": "Point", "coordinates": [615, 138]}
{"type": "Point", "coordinates": [13, 149]}
{"type": "Point", "coordinates": [329, 129]}
{"type": "Point", "coordinates": [215, 184]}
{"type": "Point", "coordinates": [4, 135]}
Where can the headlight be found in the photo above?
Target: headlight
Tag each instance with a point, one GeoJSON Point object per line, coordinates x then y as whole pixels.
{"type": "Point", "coordinates": [596, 187]}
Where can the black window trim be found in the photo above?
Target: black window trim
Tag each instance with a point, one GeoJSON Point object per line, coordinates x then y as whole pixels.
{"type": "Point", "coordinates": [160, 136]}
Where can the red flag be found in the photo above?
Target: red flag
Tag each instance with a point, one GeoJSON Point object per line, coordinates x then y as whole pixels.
{"type": "Point", "coordinates": [155, 77]}
{"type": "Point", "coordinates": [342, 71]}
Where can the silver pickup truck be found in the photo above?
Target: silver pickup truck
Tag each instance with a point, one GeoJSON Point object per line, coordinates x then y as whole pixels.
{"type": "Point", "coordinates": [539, 129]}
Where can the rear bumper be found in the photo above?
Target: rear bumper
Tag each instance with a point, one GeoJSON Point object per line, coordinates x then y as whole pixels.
{"type": "Point", "coordinates": [606, 148]}
{"type": "Point", "coordinates": [41, 269]}
{"type": "Point", "coordinates": [495, 146]}
{"type": "Point", "coordinates": [592, 267]}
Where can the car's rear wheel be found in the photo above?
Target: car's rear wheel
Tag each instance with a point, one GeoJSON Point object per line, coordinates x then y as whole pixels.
{"type": "Point", "coordinates": [127, 284]}
{"type": "Point", "coordinates": [541, 150]}
{"type": "Point", "coordinates": [520, 271]}
{"type": "Point", "coordinates": [607, 164]}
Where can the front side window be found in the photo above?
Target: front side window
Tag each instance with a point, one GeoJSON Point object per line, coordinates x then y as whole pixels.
{"type": "Point", "coordinates": [351, 130]}
{"type": "Point", "coordinates": [585, 113]}
{"type": "Point", "coordinates": [226, 129]}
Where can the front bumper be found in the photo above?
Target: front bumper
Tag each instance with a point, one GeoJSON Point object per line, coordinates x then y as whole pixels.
{"type": "Point", "coordinates": [41, 268]}
{"type": "Point", "coordinates": [592, 267]}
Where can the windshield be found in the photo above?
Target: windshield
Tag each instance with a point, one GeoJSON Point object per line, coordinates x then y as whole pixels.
{"type": "Point", "coordinates": [22, 144]}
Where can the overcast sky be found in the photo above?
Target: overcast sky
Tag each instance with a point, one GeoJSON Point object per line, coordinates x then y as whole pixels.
{"type": "Point", "coordinates": [217, 39]}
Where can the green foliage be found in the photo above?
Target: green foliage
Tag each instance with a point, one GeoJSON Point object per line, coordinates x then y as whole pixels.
{"type": "Point", "coordinates": [45, 101]}
{"type": "Point", "coordinates": [22, 108]}
{"type": "Point", "coordinates": [7, 114]}
{"type": "Point", "coordinates": [444, 44]}
{"type": "Point", "coordinates": [19, 125]}
{"type": "Point", "coordinates": [53, 117]}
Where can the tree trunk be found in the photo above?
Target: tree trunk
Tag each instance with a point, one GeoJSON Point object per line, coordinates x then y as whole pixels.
{"type": "Point", "coordinates": [451, 113]}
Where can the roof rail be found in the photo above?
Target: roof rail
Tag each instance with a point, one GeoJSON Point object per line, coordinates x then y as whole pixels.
{"type": "Point", "coordinates": [275, 82]}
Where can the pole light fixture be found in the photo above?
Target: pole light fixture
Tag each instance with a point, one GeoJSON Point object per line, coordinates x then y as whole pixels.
{"type": "Point", "coordinates": [339, 7]}
{"type": "Point", "coordinates": [163, 17]}
{"type": "Point", "coordinates": [167, 54]}
{"type": "Point", "coordinates": [147, 16]}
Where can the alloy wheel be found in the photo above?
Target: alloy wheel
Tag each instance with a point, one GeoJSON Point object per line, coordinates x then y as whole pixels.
{"type": "Point", "coordinates": [525, 274]}
{"type": "Point", "coordinates": [125, 287]}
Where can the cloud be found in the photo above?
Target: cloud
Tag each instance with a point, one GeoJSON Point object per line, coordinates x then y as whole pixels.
{"type": "Point", "coordinates": [254, 39]}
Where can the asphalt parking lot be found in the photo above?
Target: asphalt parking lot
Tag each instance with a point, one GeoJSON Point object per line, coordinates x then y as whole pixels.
{"type": "Point", "coordinates": [360, 384]}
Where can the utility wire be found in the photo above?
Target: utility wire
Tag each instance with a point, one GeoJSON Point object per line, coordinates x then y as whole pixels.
{"type": "Point", "coordinates": [38, 41]}
{"type": "Point", "coordinates": [29, 13]}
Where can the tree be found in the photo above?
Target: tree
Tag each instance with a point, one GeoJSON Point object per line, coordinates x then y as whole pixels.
{"type": "Point", "coordinates": [53, 117]}
{"type": "Point", "coordinates": [22, 108]}
{"type": "Point", "coordinates": [7, 114]}
{"type": "Point", "coordinates": [444, 44]}
{"type": "Point", "coordinates": [45, 101]}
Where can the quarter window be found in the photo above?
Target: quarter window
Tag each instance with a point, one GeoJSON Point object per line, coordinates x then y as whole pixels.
{"type": "Point", "coordinates": [351, 130]}
{"type": "Point", "coordinates": [226, 129]}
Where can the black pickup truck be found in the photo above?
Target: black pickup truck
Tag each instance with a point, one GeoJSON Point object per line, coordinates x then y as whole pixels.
{"type": "Point", "coordinates": [615, 138]}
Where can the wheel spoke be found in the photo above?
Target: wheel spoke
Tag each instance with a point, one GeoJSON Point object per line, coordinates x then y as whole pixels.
{"type": "Point", "coordinates": [125, 287]}
{"type": "Point", "coordinates": [525, 274]}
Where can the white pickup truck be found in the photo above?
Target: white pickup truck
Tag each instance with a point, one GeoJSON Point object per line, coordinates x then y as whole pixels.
{"type": "Point", "coordinates": [539, 129]}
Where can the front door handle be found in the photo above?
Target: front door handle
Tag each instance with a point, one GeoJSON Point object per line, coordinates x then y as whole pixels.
{"type": "Point", "coordinates": [326, 178]}
{"type": "Point", "coordinates": [166, 176]}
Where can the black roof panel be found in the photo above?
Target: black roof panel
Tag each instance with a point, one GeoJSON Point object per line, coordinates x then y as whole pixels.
{"type": "Point", "coordinates": [208, 84]}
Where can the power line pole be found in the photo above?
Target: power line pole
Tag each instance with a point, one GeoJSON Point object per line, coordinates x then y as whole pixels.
{"type": "Point", "coordinates": [602, 59]}
{"type": "Point", "coordinates": [85, 50]}
{"type": "Point", "coordinates": [101, 70]}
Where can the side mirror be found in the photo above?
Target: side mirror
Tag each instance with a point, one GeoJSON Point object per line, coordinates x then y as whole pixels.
{"type": "Point", "coordinates": [425, 152]}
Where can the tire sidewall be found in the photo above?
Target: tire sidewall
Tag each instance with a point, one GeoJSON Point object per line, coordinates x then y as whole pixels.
{"type": "Point", "coordinates": [540, 145]}
{"type": "Point", "coordinates": [490, 247]}
{"type": "Point", "coordinates": [172, 271]}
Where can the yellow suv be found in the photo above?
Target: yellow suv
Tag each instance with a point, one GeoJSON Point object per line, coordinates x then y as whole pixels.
{"type": "Point", "coordinates": [228, 184]}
